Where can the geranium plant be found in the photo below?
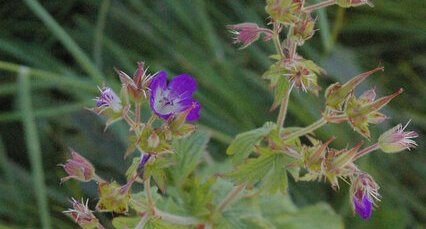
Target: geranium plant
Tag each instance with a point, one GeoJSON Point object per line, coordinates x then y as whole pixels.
{"type": "Point", "coordinates": [251, 190]}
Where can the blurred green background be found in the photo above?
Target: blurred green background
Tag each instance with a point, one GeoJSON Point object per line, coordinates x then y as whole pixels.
{"type": "Point", "coordinates": [71, 46]}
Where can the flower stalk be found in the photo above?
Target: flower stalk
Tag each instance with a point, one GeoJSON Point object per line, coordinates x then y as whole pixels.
{"type": "Point", "coordinates": [319, 5]}
{"type": "Point", "coordinates": [231, 197]}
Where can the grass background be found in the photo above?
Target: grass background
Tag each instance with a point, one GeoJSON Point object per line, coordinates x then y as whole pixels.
{"type": "Point", "coordinates": [69, 47]}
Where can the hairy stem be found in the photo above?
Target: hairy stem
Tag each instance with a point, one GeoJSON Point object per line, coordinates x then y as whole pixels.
{"type": "Point", "coordinates": [283, 108]}
{"type": "Point", "coordinates": [230, 197]}
{"type": "Point", "coordinates": [321, 122]}
{"type": "Point", "coordinates": [138, 113]}
{"type": "Point", "coordinates": [175, 219]}
{"type": "Point", "coordinates": [319, 5]}
{"type": "Point", "coordinates": [366, 151]}
{"type": "Point", "coordinates": [147, 186]}
{"type": "Point", "coordinates": [142, 222]}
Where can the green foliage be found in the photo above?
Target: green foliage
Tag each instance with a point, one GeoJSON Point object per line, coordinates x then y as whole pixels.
{"type": "Point", "coordinates": [188, 154]}
{"type": "Point", "coordinates": [123, 222]}
{"type": "Point", "coordinates": [244, 143]}
{"type": "Point", "coordinates": [270, 167]}
{"type": "Point", "coordinates": [232, 96]}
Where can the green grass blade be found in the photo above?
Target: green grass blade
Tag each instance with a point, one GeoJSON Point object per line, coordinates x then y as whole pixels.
{"type": "Point", "coordinates": [33, 147]}
{"type": "Point", "coordinates": [45, 112]}
{"type": "Point", "coordinates": [99, 32]}
{"type": "Point", "coordinates": [66, 40]}
{"type": "Point", "coordinates": [52, 77]}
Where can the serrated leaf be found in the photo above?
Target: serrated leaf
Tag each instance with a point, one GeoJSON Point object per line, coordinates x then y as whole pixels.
{"type": "Point", "coordinates": [198, 198]}
{"type": "Point", "coordinates": [277, 179]}
{"type": "Point", "coordinates": [189, 151]}
{"type": "Point", "coordinates": [253, 170]}
{"type": "Point", "coordinates": [244, 143]}
{"type": "Point", "coordinates": [122, 222]}
{"type": "Point", "coordinates": [156, 170]}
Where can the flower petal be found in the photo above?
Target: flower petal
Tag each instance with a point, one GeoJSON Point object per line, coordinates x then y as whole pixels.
{"type": "Point", "coordinates": [363, 208]}
{"type": "Point", "coordinates": [183, 85]}
{"type": "Point", "coordinates": [159, 81]}
{"type": "Point", "coordinates": [194, 114]}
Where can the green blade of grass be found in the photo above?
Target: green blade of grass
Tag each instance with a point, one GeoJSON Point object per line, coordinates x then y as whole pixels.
{"type": "Point", "coordinates": [50, 76]}
{"type": "Point", "coordinates": [99, 32]}
{"type": "Point", "coordinates": [45, 112]}
{"type": "Point", "coordinates": [66, 40]}
{"type": "Point", "coordinates": [33, 147]}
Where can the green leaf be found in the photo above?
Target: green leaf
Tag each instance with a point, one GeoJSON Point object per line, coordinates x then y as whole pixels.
{"type": "Point", "coordinates": [277, 179]}
{"type": "Point", "coordinates": [319, 216]}
{"type": "Point", "coordinates": [198, 198]}
{"type": "Point", "coordinates": [133, 169]}
{"type": "Point", "coordinates": [122, 222]}
{"type": "Point", "coordinates": [253, 170]}
{"type": "Point", "coordinates": [189, 151]}
{"type": "Point", "coordinates": [244, 143]}
{"type": "Point", "coordinates": [156, 169]}
{"type": "Point", "coordinates": [280, 91]}
{"type": "Point", "coordinates": [156, 223]}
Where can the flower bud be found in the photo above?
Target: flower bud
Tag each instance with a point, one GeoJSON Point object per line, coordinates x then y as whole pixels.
{"type": "Point", "coordinates": [137, 86]}
{"type": "Point", "coordinates": [284, 11]}
{"type": "Point", "coordinates": [364, 191]}
{"type": "Point", "coordinates": [114, 198]}
{"type": "Point", "coordinates": [336, 94]}
{"type": "Point", "coordinates": [396, 139]}
{"type": "Point", "coordinates": [82, 215]}
{"type": "Point", "coordinates": [153, 140]}
{"type": "Point", "coordinates": [303, 30]}
{"type": "Point", "coordinates": [78, 168]}
{"type": "Point", "coordinates": [303, 75]}
{"type": "Point", "coordinates": [247, 33]}
{"type": "Point", "coordinates": [353, 3]}
{"type": "Point", "coordinates": [362, 111]}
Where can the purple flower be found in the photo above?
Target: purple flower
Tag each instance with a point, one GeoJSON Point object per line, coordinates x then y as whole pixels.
{"type": "Point", "coordinates": [363, 207]}
{"type": "Point", "coordinates": [144, 160]}
{"type": "Point", "coordinates": [364, 191]}
{"type": "Point", "coordinates": [108, 99]}
{"type": "Point", "coordinates": [168, 101]}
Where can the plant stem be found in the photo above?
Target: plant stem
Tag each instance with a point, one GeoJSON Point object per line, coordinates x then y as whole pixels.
{"type": "Point", "coordinates": [283, 108]}
{"type": "Point", "coordinates": [231, 196]}
{"type": "Point", "coordinates": [365, 151]}
{"type": "Point", "coordinates": [175, 219]}
{"type": "Point", "coordinates": [276, 41]}
{"type": "Point", "coordinates": [33, 147]}
{"type": "Point", "coordinates": [319, 5]}
{"type": "Point", "coordinates": [142, 222]}
{"type": "Point", "coordinates": [321, 122]}
{"type": "Point", "coordinates": [137, 113]}
{"type": "Point", "coordinates": [147, 186]}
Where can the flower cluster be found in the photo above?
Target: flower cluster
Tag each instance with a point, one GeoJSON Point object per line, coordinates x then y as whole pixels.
{"type": "Point", "coordinates": [316, 160]}
{"type": "Point", "coordinates": [173, 110]}
{"type": "Point", "coordinates": [277, 149]}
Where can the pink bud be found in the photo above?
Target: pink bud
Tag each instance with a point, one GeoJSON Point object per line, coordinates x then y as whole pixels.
{"type": "Point", "coordinates": [396, 139]}
{"type": "Point", "coordinates": [78, 168]}
{"type": "Point", "coordinates": [247, 33]}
